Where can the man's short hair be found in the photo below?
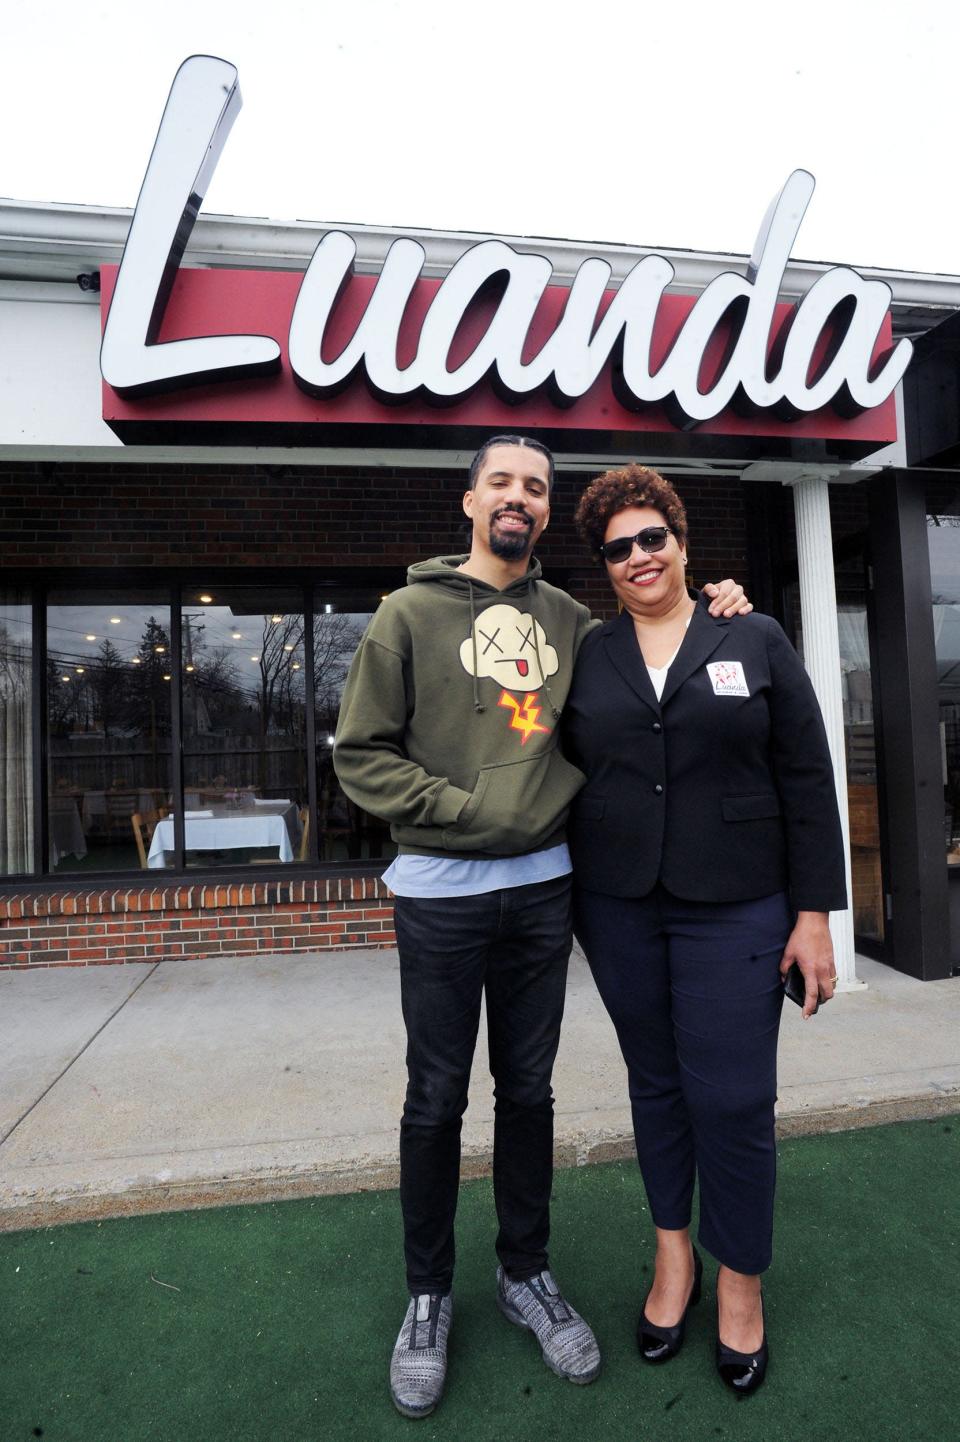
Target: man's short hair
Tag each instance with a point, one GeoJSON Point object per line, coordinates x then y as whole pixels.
{"type": "Point", "coordinates": [476, 465]}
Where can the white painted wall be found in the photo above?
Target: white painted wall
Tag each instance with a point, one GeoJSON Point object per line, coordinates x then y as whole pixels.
{"type": "Point", "coordinates": [50, 367]}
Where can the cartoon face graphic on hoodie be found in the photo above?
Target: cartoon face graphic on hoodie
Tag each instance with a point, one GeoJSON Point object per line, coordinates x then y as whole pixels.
{"type": "Point", "coordinates": [448, 702]}
{"type": "Point", "coordinates": [511, 647]}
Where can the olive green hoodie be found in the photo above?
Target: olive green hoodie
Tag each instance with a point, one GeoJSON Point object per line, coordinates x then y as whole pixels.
{"type": "Point", "coordinates": [448, 724]}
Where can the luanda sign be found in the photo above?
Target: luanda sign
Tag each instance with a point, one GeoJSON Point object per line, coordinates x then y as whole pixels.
{"type": "Point", "coordinates": [228, 354]}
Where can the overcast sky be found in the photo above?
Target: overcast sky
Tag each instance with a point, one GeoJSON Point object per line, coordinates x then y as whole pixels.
{"type": "Point", "coordinates": [607, 120]}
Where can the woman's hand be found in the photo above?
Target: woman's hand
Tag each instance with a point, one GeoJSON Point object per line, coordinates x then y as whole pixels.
{"type": "Point", "coordinates": [811, 947]}
{"type": "Point", "coordinates": [728, 599]}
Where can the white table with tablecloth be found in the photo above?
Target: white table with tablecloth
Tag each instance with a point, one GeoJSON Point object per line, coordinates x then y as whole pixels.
{"type": "Point", "coordinates": [225, 828]}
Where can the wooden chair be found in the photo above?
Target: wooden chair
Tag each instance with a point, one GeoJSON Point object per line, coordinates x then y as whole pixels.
{"type": "Point", "coordinates": [120, 807]}
{"type": "Point", "coordinates": [144, 824]}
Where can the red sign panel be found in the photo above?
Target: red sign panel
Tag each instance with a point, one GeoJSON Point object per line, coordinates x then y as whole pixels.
{"type": "Point", "coordinates": [273, 409]}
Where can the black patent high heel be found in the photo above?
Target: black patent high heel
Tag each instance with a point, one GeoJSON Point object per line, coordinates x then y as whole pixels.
{"type": "Point", "coordinates": [744, 1371]}
{"type": "Point", "coordinates": [659, 1344]}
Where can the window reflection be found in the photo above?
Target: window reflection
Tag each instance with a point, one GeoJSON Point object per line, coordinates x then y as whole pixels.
{"type": "Point", "coordinates": [861, 750]}
{"type": "Point", "coordinates": [345, 832]}
{"type": "Point", "coordinates": [244, 727]}
{"type": "Point", "coordinates": [16, 735]}
{"type": "Point", "coordinates": [108, 728]}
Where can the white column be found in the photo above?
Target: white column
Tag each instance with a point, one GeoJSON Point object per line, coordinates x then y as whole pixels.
{"type": "Point", "coordinates": [821, 653]}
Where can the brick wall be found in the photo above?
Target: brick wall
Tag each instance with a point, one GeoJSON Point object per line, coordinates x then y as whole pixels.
{"type": "Point", "coordinates": [56, 518]}
{"type": "Point", "coordinates": [60, 517]}
{"type": "Point", "coordinates": [110, 927]}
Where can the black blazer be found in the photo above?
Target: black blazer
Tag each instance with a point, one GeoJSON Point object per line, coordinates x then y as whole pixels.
{"type": "Point", "coordinates": [720, 795]}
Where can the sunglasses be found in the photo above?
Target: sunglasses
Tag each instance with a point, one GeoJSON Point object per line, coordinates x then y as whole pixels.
{"type": "Point", "coordinates": [650, 539]}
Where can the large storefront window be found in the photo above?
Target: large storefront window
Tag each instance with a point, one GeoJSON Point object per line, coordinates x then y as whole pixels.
{"type": "Point", "coordinates": [943, 537]}
{"type": "Point", "coordinates": [244, 726]}
{"type": "Point", "coordinates": [16, 734]}
{"type": "Point", "coordinates": [860, 741]}
{"type": "Point", "coordinates": [108, 727]}
{"type": "Point", "coordinates": [345, 832]}
{"type": "Point", "coordinates": [173, 730]}
{"type": "Point", "coordinates": [861, 750]}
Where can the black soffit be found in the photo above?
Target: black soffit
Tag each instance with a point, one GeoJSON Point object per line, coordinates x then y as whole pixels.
{"type": "Point", "coordinates": [931, 397]}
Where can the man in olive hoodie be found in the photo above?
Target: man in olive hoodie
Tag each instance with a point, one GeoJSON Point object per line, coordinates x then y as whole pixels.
{"type": "Point", "coordinates": [448, 730]}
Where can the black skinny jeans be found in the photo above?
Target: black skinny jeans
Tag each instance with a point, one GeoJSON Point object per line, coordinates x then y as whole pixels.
{"type": "Point", "coordinates": [513, 945]}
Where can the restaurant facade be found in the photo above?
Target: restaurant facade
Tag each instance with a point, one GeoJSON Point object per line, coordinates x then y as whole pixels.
{"type": "Point", "coordinates": [222, 442]}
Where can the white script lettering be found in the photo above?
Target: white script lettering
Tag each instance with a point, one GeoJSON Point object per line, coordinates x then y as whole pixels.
{"type": "Point", "coordinates": [203, 103]}
{"type": "Point", "coordinates": [764, 364]}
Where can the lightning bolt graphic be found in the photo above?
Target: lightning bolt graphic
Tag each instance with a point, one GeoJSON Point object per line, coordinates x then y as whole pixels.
{"type": "Point", "coordinates": [524, 717]}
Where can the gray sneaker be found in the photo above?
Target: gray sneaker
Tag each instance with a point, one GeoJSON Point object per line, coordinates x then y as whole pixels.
{"type": "Point", "coordinates": [418, 1367]}
{"type": "Point", "coordinates": [569, 1347]}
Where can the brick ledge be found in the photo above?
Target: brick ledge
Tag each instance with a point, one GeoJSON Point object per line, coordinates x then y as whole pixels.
{"type": "Point", "coordinates": [204, 896]}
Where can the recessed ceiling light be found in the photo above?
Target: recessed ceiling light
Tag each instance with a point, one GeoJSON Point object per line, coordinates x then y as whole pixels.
{"type": "Point", "coordinates": [90, 636]}
{"type": "Point", "coordinates": [135, 661]}
{"type": "Point", "coordinates": [237, 635]}
{"type": "Point", "coordinates": [160, 650]}
{"type": "Point", "coordinates": [166, 678]}
{"type": "Point", "coordinates": [385, 595]}
{"type": "Point", "coordinates": [254, 658]}
{"type": "Point", "coordinates": [275, 619]}
{"type": "Point", "coordinates": [79, 670]}
{"type": "Point", "coordinates": [64, 678]}
{"type": "Point", "coordinates": [116, 620]}
{"type": "Point", "coordinates": [206, 599]}
{"type": "Point", "coordinates": [295, 666]}
{"type": "Point", "coordinates": [288, 646]}
{"type": "Point", "coordinates": [191, 668]}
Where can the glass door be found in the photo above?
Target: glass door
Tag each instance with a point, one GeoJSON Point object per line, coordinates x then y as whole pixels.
{"type": "Point", "coordinates": [860, 733]}
{"type": "Point", "coordinates": [861, 752]}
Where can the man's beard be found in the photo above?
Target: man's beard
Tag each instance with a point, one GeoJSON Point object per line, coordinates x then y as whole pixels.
{"type": "Point", "coordinates": [509, 545]}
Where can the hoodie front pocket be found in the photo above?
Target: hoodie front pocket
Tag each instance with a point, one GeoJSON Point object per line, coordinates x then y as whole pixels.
{"type": "Point", "coordinates": [516, 805]}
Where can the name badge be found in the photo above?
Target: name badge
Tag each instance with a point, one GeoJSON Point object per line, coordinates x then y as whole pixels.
{"type": "Point", "coordinates": [728, 678]}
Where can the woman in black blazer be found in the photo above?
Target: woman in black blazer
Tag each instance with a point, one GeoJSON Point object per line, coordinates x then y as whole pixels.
{"type": "Point", "coordinates": [707, 854]}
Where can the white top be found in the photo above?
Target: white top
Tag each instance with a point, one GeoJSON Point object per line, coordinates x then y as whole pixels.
{"type": "Point", "coordinates": [435, 876]}
{"type": "Point", "coordinates": [658, 674]}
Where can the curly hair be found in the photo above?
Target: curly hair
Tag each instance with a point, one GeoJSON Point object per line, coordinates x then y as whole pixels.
{"type": "Point", "coordinates": [615, 491]}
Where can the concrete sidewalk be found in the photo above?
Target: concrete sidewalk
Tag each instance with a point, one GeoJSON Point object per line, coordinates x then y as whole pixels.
{"type": "Point", "coordinates": [150, 1087]}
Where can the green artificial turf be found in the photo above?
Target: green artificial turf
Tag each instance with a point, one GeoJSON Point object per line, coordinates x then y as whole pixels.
{"type": "Point", "coordinates": [283, 1316]}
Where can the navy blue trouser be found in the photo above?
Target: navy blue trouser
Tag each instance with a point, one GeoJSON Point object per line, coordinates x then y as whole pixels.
{"type": "Point", "coordinates": [514, 946]}
{"type": "Point", "coordinates": [695, 994]}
